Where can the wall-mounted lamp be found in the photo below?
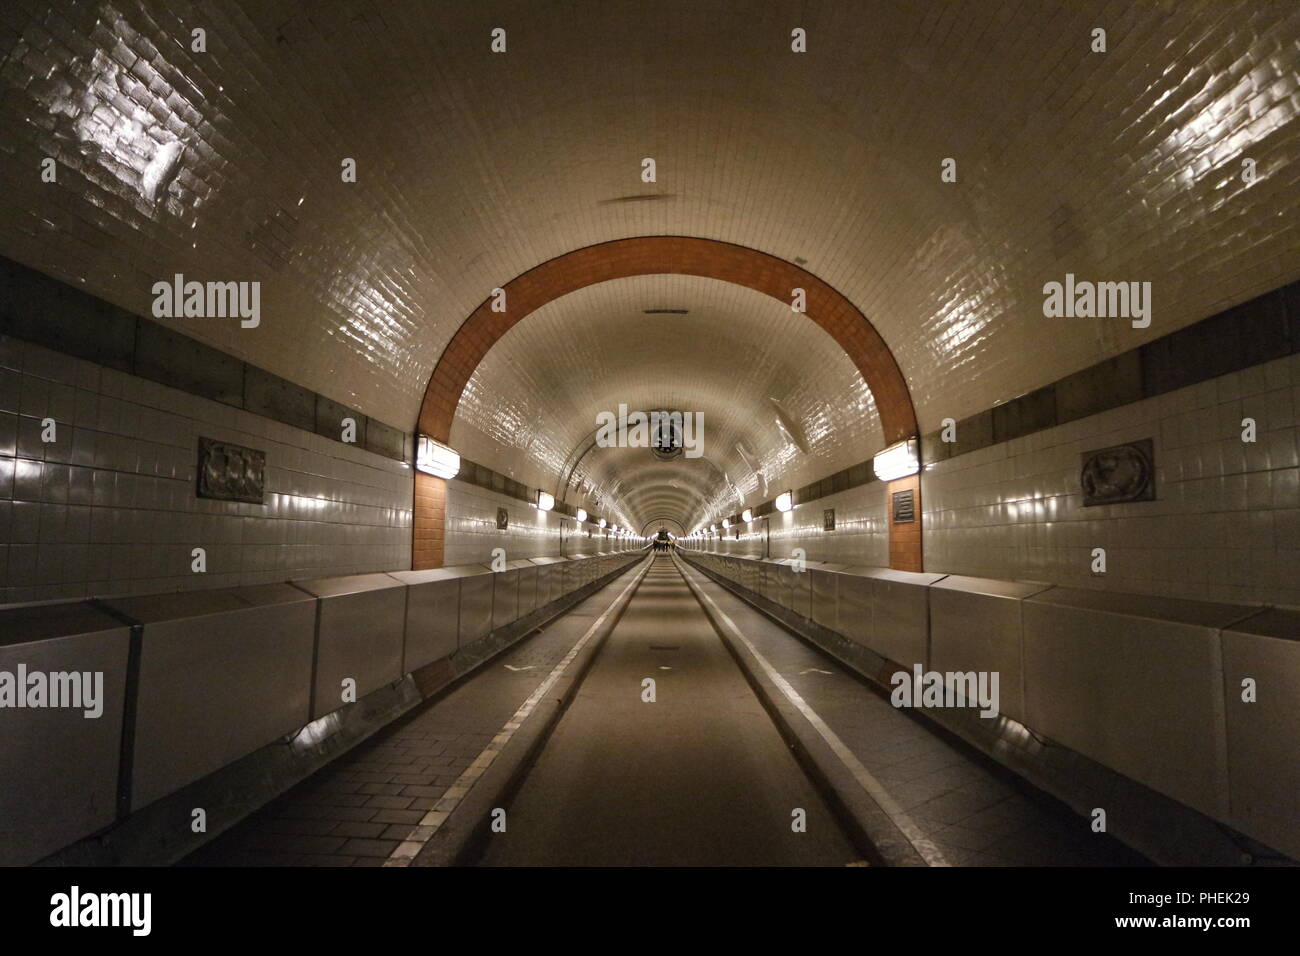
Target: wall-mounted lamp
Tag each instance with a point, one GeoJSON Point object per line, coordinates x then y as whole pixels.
{"type": "Point", "coordinates": [581, 515]}
{"type": "Point", "coordinates": [434, 458]}
{"type": "Point", "coordinates": [601, 522]}
{"type": "Point", "coordinates": [896, 461]}
{"type": "Point", "coordinates": [545, 501]}
{"type": "Point", "coordinates": [725, 524]}
{"type": "Point", "coordinates": [784, 501]}
{"type": "Point", "coordinates": [747, 516]}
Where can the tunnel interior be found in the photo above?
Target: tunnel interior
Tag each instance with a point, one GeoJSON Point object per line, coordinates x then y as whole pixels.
{"type": "Point", "coordinates": [832, 434]}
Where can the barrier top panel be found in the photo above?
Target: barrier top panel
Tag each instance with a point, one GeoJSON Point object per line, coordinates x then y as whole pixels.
{"type": "Point", "coordinates": [175, 605]}
{"type": "Point", "coordinates": [919, 578]}
{"type": "Point", "coordinates": [28, 623]}
{"type": "Point", "coordinates": [515, 565]}
{"type": "Point", "coordinates": [1282, 623]}
{"type": "Point", "coordinates": [179, 605]}
{"type": "Point", "coordinates": [578, 557]}
{"type": "Point", "coordinates": [548, 560]}
{"type": "Point", "coordinates": [348, 584]}
{"type": "Point", "coordinates": [467, 570]}
{"type": "Point", "coordinates": [426, 576]}
{"type": "Point", "coordinates": [991, 586]}
{"type": "Point", "coordinates": [827, 566]}
{"type": "Point", "coordinates": [263, 595]}
{"type": "Point", "coordinates": [1179, 610]}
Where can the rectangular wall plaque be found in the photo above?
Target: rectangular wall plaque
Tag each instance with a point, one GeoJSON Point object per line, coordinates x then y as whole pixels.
{"type": "Point", "coordinates": [904, 507]}
{"type": "Point", "coordinates": [828, 519]}
{"type": "Point", "coordinates": [230, 472]}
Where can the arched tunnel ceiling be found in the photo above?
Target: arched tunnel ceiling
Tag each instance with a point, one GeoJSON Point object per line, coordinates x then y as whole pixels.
{"type": "Point", "coordinates": [782, 403]}
{"type": "Point", "coordinates": [474, 167]}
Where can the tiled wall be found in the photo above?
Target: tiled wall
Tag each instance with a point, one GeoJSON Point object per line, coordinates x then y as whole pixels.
{"type": "Point", "coordinates": [861, 535]}
{"type": "Point", "coordinates": [1225, 525]}
{"type": "Point", "coordinates": [472, 531]}
{"type": "Point", "coordinates": [110, 507]}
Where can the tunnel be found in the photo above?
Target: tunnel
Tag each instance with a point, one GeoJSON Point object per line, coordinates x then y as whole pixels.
{"type": "Point", "coordinates": [685, 434]}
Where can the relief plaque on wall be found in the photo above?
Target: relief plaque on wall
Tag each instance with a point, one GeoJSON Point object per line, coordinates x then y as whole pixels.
{"type": "Point", "coordinates": [230, 472]}
{"type": "Point", "coordinates": [503, 519]}
{"type": "Point", "coordinates": [1118, 474]}
{"type": "Point", "coordinates": [904, 506]}
{"type": "Point", "coordinates": [828, 519]}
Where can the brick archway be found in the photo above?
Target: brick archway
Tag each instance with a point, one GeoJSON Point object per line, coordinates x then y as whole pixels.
{"type": "Point", "coordinates": [657, 255]}
{"type": "Point", "coordinates": [681, 528]}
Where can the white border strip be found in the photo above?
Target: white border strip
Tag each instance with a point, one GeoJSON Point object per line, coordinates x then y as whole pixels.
{"type": "Point", "coordinates": [406, 851]}
{"type": "Point", "coordinates": [914, 835]}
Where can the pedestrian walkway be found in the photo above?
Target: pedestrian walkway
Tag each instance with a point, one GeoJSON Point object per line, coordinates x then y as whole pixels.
{"type": "Point", "coordinates": [355, 811]}
{"type": "Point", "coordinates": [974, 811]}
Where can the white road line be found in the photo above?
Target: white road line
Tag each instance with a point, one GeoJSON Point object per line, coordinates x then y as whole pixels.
{"type": "Point", "coordinates": [421, 834]}
{"type": "Point", "coordinates": [922, 844]}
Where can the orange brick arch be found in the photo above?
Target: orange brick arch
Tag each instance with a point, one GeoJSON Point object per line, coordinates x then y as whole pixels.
{"type": "Point", "coordinates": [653, 255]}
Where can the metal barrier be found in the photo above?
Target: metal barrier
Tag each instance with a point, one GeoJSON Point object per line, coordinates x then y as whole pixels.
{"type": "Point", "coordinates": [1149, 687]}
{"type": "Point", "coordinates": [184, 684]}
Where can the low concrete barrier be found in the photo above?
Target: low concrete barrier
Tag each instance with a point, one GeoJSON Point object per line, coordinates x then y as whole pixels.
{"type": "Point", "coordinates": [360, 629]}
{"type": "Point", "coordinates": [1261, 693]}
{"type": "Point", "coordinates": [975, 625]}
{"type": "Point", "coordinates": [205, 681]}
{"type": "Point", "coordinates": [823, 582]}
{"type": "Point", "coordinates": [57, 756]}
{"type": "Point", "coordinates": [432, 615]}
{"type": "Point", "coordinates": [220, 673]}
{"type": "Point", "coordinates": [550, 579]}
{"type": "Point", "coordinates": [1134, 682]}
{"type": "Point", "coordinates": [1147, 687]}
{"type": "Point", "coordinates": [900, 615]}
